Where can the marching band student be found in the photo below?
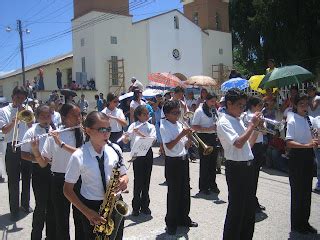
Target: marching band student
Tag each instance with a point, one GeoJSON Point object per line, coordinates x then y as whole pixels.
{"type": "Point", "coordinates": [236, 140]}
{"type": "Point", "coordinates": [301, 143]}
{"type": "Point", "coordinates": [255, 104]}
{"type": "Point", "coordinates": [117, 118]}
{"type": "Point", "coordinates": [41, 177]}
{"type": "Point", "coordinates": [14, 165]}
{"type": "Point", "coordinates": [57, 150]}
{"type": "Point", "coordinates": [204, 123]}
{"type": "Point", "coordinates": [142, 166]}
{"type": "Point", "coordinates": [94, 162]}
{"type": "Point", "coordinates": [136, 101]}
{"type": "Point", "coordinates": [175, 145]}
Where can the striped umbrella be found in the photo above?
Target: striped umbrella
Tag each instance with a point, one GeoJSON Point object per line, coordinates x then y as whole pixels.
{"type": "Point", "coordinates": [165, 79]}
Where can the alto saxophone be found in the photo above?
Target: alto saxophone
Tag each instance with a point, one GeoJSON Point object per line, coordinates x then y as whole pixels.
{"type": "Point", "coordinates": [108, 230]}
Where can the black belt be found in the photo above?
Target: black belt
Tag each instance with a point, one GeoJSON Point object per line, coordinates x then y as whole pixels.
{"type": "Point", "coordinates": [57, 174]}
{"type": "Point", "coordinates": [248, 163]}
{"type": "Point", "coordinates": [185, 157]}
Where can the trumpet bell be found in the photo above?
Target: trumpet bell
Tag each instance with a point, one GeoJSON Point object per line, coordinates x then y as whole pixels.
{"type": "Point", "coordinates": [26, 116]}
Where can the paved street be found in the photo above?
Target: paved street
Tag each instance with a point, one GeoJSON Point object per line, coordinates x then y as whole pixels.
{"type": "Point", "coordinates": [208, 211]}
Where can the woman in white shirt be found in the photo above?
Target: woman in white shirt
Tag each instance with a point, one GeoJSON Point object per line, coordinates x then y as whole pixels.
{"type": "Point", "coordinates": [57, 150]}
{"type": "Point", "coordinates": [41, 177]}
{"type": "Point", "coordinates": [94, 162]}
{"type": "Point", "coordinates": [142, 166]}
{"type": "Point", "coordinates": [136, 101]}
{"type": "Point", "coordinates": [204, 123]}
{"type": "Point", "coordinates": [117, 118]}
{"type": "Point", "coordinates": [301, 157]}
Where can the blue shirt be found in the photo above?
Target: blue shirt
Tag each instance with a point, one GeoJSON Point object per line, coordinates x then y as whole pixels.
{"type": "Point", "coordinates": [99, 105]}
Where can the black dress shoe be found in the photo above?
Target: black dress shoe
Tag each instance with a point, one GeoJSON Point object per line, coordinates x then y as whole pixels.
{"type": "Point", "coordinates": [311, 229]}
{"type": "Point", "coordinates": [215, 190]}
{"type": "Point", "coordinates": [171, 231]}
{"type": "Point", "coordinates": [135, 213]}
{"type": "Point", "coordinates": [14, 217]}
{"type": "Point", "coordinates": [27, 209]}
{"type": "Point", "coordinates": [146, 211]}
{"type": "Point", "coordinates": [205, 192]}
{"type": "Point", "coordinates": [301, 230]}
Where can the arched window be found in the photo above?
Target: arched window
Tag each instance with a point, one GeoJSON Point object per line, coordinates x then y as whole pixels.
{"type": "Point", "coordinates": [176, 22]}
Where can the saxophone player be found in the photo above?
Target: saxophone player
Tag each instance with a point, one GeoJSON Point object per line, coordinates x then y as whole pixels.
{"type": "Point", "coordinates": [93, 162]}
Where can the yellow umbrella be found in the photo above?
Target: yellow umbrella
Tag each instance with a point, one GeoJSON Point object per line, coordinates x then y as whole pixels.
{"type": "Point", "coordinates": [254, 83]}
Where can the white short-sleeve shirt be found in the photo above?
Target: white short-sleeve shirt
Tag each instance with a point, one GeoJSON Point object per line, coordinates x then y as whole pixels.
{"type": "Point", "coordinates": [117, 112]}
{"type": "Point", "coordinates": [134, 104]}
{"type": "Point", "coordinates": [298, 129]}
{"type": "Point", "coordinates": [56, 119]}
{"type": "Point", "coordinates": [260, 135]}
{"type": "Point", "coordinates": [316, 112]}
{"type": "Point", "coordinates": [229, 129]}
{"type": "Point", "coordinates": [200, 118]}
{"type": "Point", "coordinates": [147, 129]}
{"type": "Point", "coordinates": [7, 113]}
{"type": "Point", "coordinates": [59, 157]}
{"type": "Point", "coordinates": [83, 163]}
{"type": "Point", "coordinates": [169, 131]}
{"type": "Point", "coordinates": [32, 132]}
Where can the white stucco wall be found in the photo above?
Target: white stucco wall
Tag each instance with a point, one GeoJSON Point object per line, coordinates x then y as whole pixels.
{"type": "Point", "coordinates": [163, 38]}
{"type": "Point", "coordinates": [212, 42]}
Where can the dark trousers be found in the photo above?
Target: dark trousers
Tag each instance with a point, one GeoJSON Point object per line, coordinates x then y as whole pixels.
{"type": "Point", "coordinates": [88, 228]}
{"type": "Point", "coordinates": [14, 166]}
{"type": "Point", "coordinates": [142, 168]}
{"type": "Point", "coordinates": [43, 212]}
{"type": "Point", "coordinates": [300, 176]}
{"type": "Point", "coordinates": [178, 196]}
{"type": "Point", "coordinates": [240, 218]}
{"type": "Point", "coordinates": [208, 163]}
{"type": "Point", "coordinates": [257, 151]}
{"type": "Point", "coordinates": [114, 137]}
{"type": "Point", "coordinates": [61, 207]}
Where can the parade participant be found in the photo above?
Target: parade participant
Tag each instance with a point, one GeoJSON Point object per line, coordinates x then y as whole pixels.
{"type": "Point", "coordinates": [236, 140]}
{"type": "Point", "coordinates": [95, 174]}
{"type": "Point", "coordinates": [55, 116]}
{"type": "Point", "coordinates": [190, 100]}
{"type": "Point", "coordinates": [117, 118]}
{"type": "Point", "coordinates": [57, 150]}
{"type": "Point", "coordinates": [314, 101]}
{"type": "Point", "coordinates": [301, 142]}
{"type": "Point", "coordinates": [41, 177]}
{"type": "Point", "coordinates": [175, 145]}
{"type": "Point", "coordinates": [288, 103]}
{"type": "Point", "coordinates": [14, 164]}
{"type": "Point", "coordinates": [142, 166]}
{"type": "Point", "coordinates": [204, 123]}
{"type": "Point", "coordinates": [254, 105]}
{"type": "Point", "coordinates": [136, 101]}
{"type": "Point", "coordinates": [202, 97]}
{"type": "Point", "coordinates": [83, 103]}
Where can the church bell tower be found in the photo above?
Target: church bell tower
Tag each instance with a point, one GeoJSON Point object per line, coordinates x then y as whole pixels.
{"type": "Point", "coordinates": [208, 14]}
{"type": "Point", "coordinates": [82, 7]}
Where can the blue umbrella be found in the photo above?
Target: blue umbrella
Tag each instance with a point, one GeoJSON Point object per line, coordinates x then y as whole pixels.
{"type": "Point", "coordinates": [239, 83]}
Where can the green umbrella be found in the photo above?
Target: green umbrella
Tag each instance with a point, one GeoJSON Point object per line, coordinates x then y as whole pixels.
{"type": "Point", "coordinates": [285, 76]}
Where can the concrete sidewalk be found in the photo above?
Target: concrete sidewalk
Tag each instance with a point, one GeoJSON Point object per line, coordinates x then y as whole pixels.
{"type": "Point", "coordinates": [208, 211]}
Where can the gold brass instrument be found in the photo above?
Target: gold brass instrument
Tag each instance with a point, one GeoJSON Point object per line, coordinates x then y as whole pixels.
{"type": "Point", "coordinates": [26, 116]}
{"type": "Point", "coordinates": [111, 202]}
{"type": "Point", "coordinates": [196, 140]}
{"type": "Point", "coordinates": [278, 125]}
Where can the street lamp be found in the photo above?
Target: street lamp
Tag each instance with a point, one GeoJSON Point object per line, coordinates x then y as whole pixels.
{"type": "Point", "coordinates": [20, 31]}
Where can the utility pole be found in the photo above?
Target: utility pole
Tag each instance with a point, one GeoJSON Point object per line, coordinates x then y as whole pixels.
{"type": "Point", "coordinates": [21, 31]}
{"type": "Point", "coordinates": [19, 27]}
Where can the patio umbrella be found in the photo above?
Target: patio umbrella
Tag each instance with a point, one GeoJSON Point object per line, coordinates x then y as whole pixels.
{"type": "Point", "coordinates": [239, 83]}
{"type": "Point", "coordinates": [165, 79]}
{"type": "Point", "coordinates": [285, 76]}
{"type": "Point", "coordinates": [201, 81]}
{"type": "Point", "coordinates": [254, 83]}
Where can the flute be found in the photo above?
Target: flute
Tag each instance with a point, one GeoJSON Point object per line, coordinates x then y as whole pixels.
{"type": "Point", "coordinates": [139, 126]}
{"type": "Point", "coordinates": [45, 135]}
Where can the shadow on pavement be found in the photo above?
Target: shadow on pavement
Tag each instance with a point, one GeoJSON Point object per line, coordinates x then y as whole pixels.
{"type": "Point", "coordinates": [138, 219]}
{"type": "Point", "coordinates": [213, 196]}
{"type": "Point", "coordinates": [298, 236]}
{"type": "Point", "coordinates": [182, 233]}
{"type": "Point", "coordinates": [274, 172]}
{"type": "Point", "coordinates": [261, 216]}
{"type": "Point", "coordinates": [158, 161]}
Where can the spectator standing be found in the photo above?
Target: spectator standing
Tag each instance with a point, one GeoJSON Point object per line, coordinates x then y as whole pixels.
{"type": "Point", "coordinates": [59, 78]}
{"type": "Point", "coordinates": [40, 82]}
{"type": "Point", "coordinates": [83, 104]}
{"type": "Point", "coordinates": [99, 102]}
{"type": "Point", "coordinates": [136, 84]}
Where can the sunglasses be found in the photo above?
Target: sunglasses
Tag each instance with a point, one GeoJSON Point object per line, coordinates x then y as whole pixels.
{"type": "Point", "coordinates": [103, 129]}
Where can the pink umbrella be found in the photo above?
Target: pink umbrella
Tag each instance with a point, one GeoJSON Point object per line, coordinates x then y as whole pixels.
{"type": "Point", "coordinates": [165, 79]}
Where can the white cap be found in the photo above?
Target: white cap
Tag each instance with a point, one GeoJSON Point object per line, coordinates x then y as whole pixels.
{"type": "Point", "coordinates": [222, 99]}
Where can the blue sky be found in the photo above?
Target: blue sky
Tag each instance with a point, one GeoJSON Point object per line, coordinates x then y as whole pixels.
{"type": "Point", "coordinates": [51, 18]}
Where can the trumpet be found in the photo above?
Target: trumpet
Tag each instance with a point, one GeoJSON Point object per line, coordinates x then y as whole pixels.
{"type": "Point", "coordinates": [278, 125]}
{"type": "Point", "coordinates": [45, 135]}
{"type": "Point", "coordinates": [196, 140]}
{"type": "Point", "coordinates": [26, 116]}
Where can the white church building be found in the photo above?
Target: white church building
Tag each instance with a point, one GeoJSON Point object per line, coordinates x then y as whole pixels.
{"type": "Point", "coordinates": [109, 48]}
